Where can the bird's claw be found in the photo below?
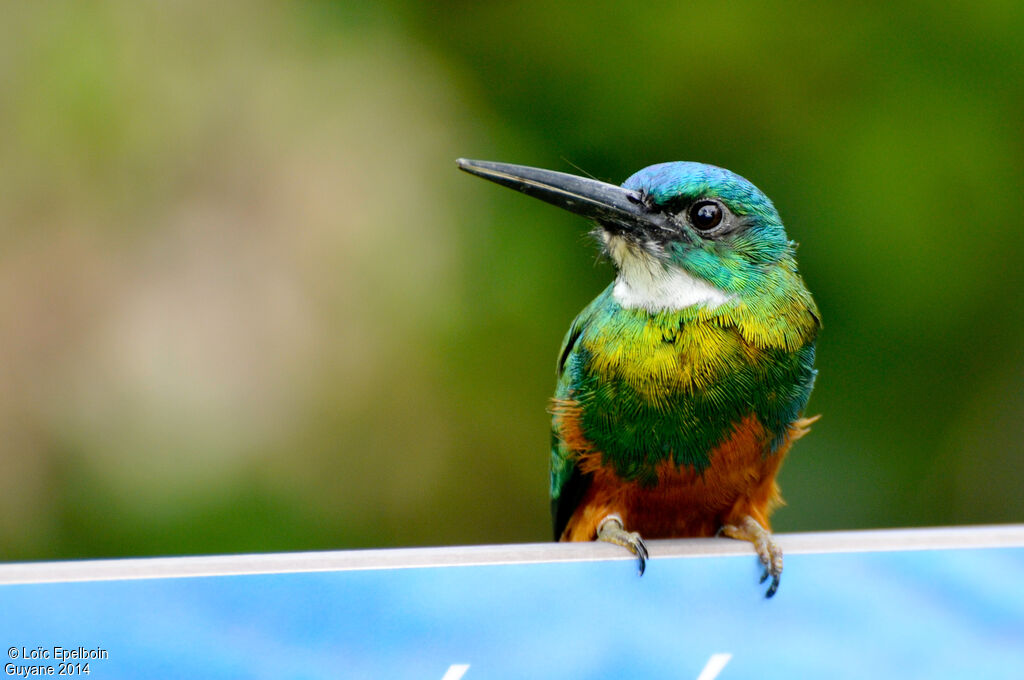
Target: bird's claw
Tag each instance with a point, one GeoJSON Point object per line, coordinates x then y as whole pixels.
{"type": "Point", "coordinates": [773, 587]}
{"type": "Point", "coordinates": [640, 551]}
{"type": "Point", "coordinates": [767, 549]}
{"type": "Point", "coordinates": [611, 531]}
{"type": "Point", "coordinates": [771, 557]}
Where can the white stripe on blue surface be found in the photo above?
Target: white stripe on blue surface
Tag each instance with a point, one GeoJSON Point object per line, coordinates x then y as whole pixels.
{"type": "Point", "coordinates": [1010, 535]}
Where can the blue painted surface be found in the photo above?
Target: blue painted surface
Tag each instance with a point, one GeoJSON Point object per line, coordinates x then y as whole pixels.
{"type": "Point", "coordinates": [927, 614]}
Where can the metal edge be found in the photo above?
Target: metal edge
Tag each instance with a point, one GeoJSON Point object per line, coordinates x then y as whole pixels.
{"type": "Point", "coordinates": [937, 538]}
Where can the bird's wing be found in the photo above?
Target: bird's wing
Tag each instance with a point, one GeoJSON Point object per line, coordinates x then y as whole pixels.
{"type": "Point", "coordinates": [568, 484]}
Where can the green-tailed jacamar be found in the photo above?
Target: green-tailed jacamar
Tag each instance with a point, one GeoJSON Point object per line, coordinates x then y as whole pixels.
{"type": "Point", "coordinates": [680, 387]}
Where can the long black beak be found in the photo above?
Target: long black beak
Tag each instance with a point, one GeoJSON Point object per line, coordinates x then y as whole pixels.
{"type": "Point", "coordinates": [612, 206]}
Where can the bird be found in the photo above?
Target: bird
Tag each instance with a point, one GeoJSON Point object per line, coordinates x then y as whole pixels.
{"type": "Point", "coordinates": [681, 387]}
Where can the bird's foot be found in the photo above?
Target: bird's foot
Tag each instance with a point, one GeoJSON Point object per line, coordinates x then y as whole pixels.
{"type": "Point", "coordinates": [767, 549]}
{"type": "Point", "coordinates": [611, 530]}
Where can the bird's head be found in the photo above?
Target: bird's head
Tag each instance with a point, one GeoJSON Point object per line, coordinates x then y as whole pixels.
{"type": "Point", "coordinates": [679, 233]}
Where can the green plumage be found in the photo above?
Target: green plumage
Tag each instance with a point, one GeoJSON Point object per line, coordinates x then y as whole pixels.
{"type": "Point", "coordinates": [680, 386]}
{"type": "Point", "coordinates": [672, 384]}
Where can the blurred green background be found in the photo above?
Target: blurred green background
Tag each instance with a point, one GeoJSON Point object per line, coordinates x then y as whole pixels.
{"type": "Point", "coordinates": [249, 303]}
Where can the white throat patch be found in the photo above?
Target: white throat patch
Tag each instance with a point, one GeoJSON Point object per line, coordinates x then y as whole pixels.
{"type": "Point", "coordinates": [645, 283]}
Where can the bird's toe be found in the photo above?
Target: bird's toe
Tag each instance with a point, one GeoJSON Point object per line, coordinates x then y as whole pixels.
{"type": "Point", "coordinates": [611, 530]}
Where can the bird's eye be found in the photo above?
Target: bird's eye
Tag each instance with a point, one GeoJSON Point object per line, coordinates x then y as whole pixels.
{"type": "Point", "coordinates": [705, 215]}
